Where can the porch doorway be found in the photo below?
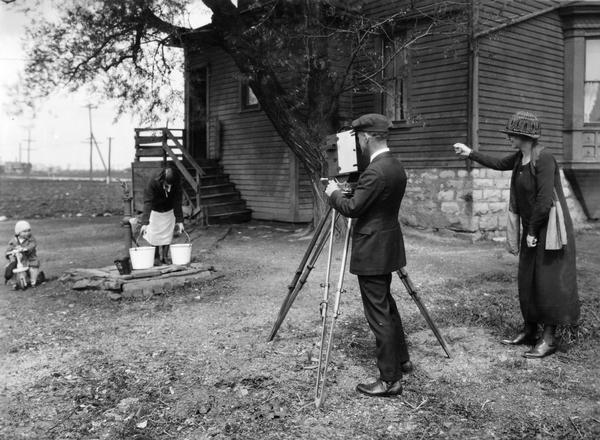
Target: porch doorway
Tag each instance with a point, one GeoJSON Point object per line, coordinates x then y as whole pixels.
{"type": "Point", "coordinates": [198, 113]}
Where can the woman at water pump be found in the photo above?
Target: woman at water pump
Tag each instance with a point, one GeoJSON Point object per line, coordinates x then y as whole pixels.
{"type": "Point", "coordinates": [162, 212]}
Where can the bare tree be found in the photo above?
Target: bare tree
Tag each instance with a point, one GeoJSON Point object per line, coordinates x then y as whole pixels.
{"type": "Point", "coordinates": [301, 58]}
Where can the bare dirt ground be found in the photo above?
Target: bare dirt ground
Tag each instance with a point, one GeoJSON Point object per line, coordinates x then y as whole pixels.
{"type": "Point", "coordinates": [195, 364]}
{"type": "Point", "coordinates": [39, 198]}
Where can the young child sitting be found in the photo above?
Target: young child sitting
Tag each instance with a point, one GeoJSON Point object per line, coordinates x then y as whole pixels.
{"type": "Point", "coordinates": [24, 243]}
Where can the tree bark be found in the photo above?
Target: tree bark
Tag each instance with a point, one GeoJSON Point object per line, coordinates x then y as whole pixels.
{"type": "Point", "coordinates": [302, 130]}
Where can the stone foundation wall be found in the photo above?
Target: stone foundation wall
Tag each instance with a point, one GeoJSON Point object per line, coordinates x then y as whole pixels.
{"type": "Point", "coordinates": [466, 201]}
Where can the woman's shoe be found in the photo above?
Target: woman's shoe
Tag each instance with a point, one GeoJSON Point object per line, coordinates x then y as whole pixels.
{"type": "Point", "coordinates": [521, 339]}
{"type": "Point", "coordinates": [542, 349]}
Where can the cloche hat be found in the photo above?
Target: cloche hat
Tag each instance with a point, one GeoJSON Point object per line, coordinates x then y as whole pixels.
{"type": "Point", "coordinates": [523, 124]}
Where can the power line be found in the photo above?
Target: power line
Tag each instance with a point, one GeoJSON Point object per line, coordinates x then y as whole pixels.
{"type": "Point", "coordinates": [99, 153]}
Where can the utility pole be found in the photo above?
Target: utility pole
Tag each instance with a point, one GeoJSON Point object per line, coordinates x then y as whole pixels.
{"type": "Point", "coordinates": [89, 107]}
{"type": "Point", "coordinates": [28, 167]}
{"type": "Point", "coordinates": [29, 146]}
{"type": "Point", "coordinates": [20, 153]}
{"type": "Point", "coordinates": [29, 141]}
{"type": "Point", "coordinates": [109, 155]}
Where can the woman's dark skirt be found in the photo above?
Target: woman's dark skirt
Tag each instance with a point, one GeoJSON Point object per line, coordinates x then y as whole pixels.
{"type": "Point", "coordinates": [548, 280]}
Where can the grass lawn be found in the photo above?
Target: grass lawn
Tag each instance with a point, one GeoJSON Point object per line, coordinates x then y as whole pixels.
{"type": "Point", "coordinates": [194, 363]}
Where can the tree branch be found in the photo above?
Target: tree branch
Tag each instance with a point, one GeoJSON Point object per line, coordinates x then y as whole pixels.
{"type": "Point", "coordinates": [95, 54]}
{"type": "Point", "coordinates": [373, 74]}
{"type": "Point", "coordinates": [373, 28]}
{"type": "Point", "coordinates": [155, 22]}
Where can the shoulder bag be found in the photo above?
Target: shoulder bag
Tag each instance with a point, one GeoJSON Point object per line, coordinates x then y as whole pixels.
{"type": "Point", "coordinates": [556, 233]}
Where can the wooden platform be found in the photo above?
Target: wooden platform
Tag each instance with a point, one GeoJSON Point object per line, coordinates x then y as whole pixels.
{"type": "Point", "coordinates": [140, 283]}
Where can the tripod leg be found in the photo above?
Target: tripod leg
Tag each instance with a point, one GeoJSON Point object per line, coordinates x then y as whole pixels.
{"type": "Point", "coordinates": [320, 395]}
{"type": "Point", "coordinates": [301, 268]}
{"type": "Point", "coordinates": [290, 298]}
{"type": "Point", "coordinates": [325, 301]}
{"type": "Point", "coordinates": [403, 274]}
{"type": "Point", "coordinates": [309, 267]}
{"type": "Point", "coordinates": [309, 250]}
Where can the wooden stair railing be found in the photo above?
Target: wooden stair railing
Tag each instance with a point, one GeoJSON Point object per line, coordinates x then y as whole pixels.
{"type": "Point", "coordinates": [145, 141]}
{"type": "Point", "coordinates": [206, 188]}
{"type": "Point", "coordinates": [167, 134]}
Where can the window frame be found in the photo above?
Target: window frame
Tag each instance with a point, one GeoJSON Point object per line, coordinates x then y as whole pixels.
{"type": "Point", "coordinates": [400, 78]}
{"type": "Point", "coordinates": [580, 21]}
{"type": "Point", "coordinates": [245, 91]}
{"type": "Point", "coordinates": [585, 82]}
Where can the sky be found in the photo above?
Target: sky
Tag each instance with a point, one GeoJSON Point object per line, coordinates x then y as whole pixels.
{"type": "Point", "coordinates": [60, 131]}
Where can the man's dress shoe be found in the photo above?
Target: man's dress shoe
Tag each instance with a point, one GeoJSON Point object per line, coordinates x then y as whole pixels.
{"type": "Point", "coordinates": [521, 339]}
{"type": "Point", "coordinates": [542, 349]}
{"type": "Point", "coordinates": [407, 367]}
{"type": "Point", "coordinates": [380, 388]}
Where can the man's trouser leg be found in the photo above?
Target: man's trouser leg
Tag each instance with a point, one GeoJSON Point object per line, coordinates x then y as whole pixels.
{"type": "Point", "coordinates": [383, 318]}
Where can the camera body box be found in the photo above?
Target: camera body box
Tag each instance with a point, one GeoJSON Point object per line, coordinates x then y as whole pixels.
{"type": "Point", "coordinates": [343, 154]}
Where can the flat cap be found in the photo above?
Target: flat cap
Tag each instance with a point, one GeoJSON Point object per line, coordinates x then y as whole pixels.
{"type": "Point", "coordinates": [372, 122]}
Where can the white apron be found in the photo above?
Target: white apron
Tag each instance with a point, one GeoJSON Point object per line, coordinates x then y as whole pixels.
{"type": "Point", "coordinates": [160, 228]}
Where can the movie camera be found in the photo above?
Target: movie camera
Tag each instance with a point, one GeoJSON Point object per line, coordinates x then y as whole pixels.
{"type": "Point", "coordinates": [343, 155]}
{"type": "Point", "coordinates": [345, 162]}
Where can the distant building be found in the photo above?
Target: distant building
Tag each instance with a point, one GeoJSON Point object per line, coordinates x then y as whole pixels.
{"type": "Point", "coordinates": [16, 168]}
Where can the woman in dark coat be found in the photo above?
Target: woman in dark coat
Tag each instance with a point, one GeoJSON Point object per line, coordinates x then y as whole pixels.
{"type": "Point", "coordinates": [547, 278]}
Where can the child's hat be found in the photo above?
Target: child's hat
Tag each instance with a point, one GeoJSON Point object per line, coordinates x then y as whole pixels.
{"type": "Point", "coordinates": [21, 226]}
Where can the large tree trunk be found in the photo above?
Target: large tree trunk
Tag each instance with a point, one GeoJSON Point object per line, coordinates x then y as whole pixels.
{"type": "Point", "coordinates": [320, 200]}
{"type": "Point", "coordinates": [304, 137]}
{"type": "Point", "coordinates": [313, 163]}
{"type": "Point", "coordinates": [302, 126]}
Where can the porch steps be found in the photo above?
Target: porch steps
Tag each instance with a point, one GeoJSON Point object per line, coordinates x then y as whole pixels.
{"type": "Point", "coordinates": [231, 217]}
{"type": "Point", "coordinates": [207, 186]}
{"type": "Point", "coordinates": [217, 188]}
{"type": "Point", "coordinates": [220, 198]}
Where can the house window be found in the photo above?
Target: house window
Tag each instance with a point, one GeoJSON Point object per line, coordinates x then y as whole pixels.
{"type": "Point", "coordinates": [393, 98]}
{"type": "Point", "coordinates": [248, 98]}
{"type": "Point", "coordinates": [591, 106]}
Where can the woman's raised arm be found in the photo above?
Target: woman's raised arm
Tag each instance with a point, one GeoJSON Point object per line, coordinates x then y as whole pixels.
{"type": "Point", "coordinates": [497, 163]}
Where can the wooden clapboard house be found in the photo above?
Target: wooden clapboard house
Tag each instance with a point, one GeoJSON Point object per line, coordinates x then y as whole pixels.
{"type": "Point", "coordinates": [541, 56]}
{"type": "Point", "coordinates": [460, 83]}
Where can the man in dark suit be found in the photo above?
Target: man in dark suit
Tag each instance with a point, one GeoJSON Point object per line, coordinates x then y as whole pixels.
{"type": "Point", "coordinates": [378, 248]}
